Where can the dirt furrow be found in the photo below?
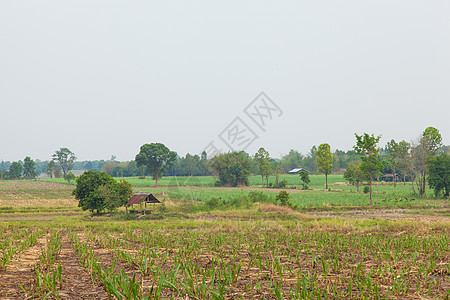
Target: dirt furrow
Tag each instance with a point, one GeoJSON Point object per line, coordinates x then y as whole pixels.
{"type": "Point", "coordinates": [77, 282]}
{"type": "Point", "coordinates": [20, 272]}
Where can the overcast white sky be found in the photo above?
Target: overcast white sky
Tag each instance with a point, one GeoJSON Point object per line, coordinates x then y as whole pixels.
{"type": "Point", "coordinates": [104, 77]}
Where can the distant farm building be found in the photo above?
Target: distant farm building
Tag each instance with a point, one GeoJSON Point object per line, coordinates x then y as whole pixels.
{"type": "Point", "coordinates": [296, 171]}
{"type": "Point", "coordinates": [142, 198]}
{"type": "Point", "coordinates": [390, 177]}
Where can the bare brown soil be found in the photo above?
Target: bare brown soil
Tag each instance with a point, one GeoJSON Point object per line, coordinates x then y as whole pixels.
{"type": "Point", "coordinates": [77, 282]}
{"type": "Point", "coordinates": [20, 271]}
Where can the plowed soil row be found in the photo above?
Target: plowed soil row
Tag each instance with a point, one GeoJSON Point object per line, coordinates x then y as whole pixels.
{"type": "Point", "coordinates": [21, 272]}
{"type": "Point", "coordinates": [106, 257]}
{"type": "Point", "coordinates": [77, 284]}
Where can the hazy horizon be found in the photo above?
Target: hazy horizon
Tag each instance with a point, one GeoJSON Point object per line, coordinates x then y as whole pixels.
{"type": "Point", "coordinates": [103, 78]}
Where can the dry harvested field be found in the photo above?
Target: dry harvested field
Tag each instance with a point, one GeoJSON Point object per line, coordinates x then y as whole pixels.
{"type": "Point", "coordinates": [35, 194]}
{"type": "Point", "coordinates": [262, 252]}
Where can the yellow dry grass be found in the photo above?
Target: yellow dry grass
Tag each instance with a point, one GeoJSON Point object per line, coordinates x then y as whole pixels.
{"type": "Point", "coordinates": [32, 184]}
{"type": "Point", "coordinates": [271, 208]}
{"type": "Point", "coordinates": [38, 203]}
{"type": "Point", "coordinates": [30, 193]}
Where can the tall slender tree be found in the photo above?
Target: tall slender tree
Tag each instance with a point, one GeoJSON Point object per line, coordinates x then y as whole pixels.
{"type": "Point", "coordinates": [266, 167]}
{"type": "Point", "coordinates": [366, 147]}
{"type": "Point", "coordinates": [404, 158]}
{"type": "Point", "coordinates": [66, 159]}
{"type": "Point", "coordinates": [354, 175]}
{"type": "Point", "coordinates": [324, 160]}
{"type": "Point", "coordinates": [429, 144]}
{"type": "Point", "coordinates": [393, 150]}
{"type": "Point", "coordinates": [53, 170]}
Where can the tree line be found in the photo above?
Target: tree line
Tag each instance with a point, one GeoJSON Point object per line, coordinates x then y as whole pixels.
{"type": "Point", "coordinates": [424, 159]}
{"type": "Point", "coordinates": [413, 161]}
{"type": "Point", "coordinates": [63, 161]}
{"type": "Point", "coordinates": [425, 162]}
{"type": "Point", "coordinates": [189, 165]}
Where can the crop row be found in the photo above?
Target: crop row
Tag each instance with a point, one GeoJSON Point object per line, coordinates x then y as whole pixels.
{"type": "Point", "coordinates": [48, 279]}
{"type": "Point", "coordinates": [281, 263]}
{"type": "Point", "coordinates": [14, 240]}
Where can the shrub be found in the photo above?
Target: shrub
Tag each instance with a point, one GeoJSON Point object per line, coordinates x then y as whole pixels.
{"type": "Point", "coordinates": [279, 185]}
{"type": "Point", "coordinates": [366, 189]}
{"type": "Point", "coordinates": [257, 196]}
{"type": "Point", "coordinates": [69, 177]}
{"type": "Point", "coordinates": [214, 202]}
{"type": "Point", "coordinates": [304, 176]}
{"type": "Point", "coordinates": [283, 197]}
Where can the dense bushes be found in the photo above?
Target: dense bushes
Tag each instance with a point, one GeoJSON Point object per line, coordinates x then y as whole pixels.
{"type": "Point", "coordinates": [232, 168]}
{"type": "Point", "coordinates": [99, 191]}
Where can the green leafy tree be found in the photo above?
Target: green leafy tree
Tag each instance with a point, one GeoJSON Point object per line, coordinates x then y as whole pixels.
{"type": "Point", "coordinates": [156, 157]}
{"type": "Point", "coordinates": [366, 147]}
{"type": "Point", "coordinates": [266, 167]}
{"type": "Point", "coordinates": [404, 159]}
{"type": "Point", "coordinates": [354, 175]}
{"type": "Point", "coordinates": [324, 160]}
{"type": "Point", "coordinates": [15, 170]}
{"type": "Point", "coordinates": [109, 166]}
{"type": "Point", "coordinates": [393, 149]}
{"type": "Point", "coordinates": [29, 168]}
{"type": "Point", "coordinates": [277, 175]}
{"type": "Point", "coordinates": [124, 192]}
{"type": "Point", "coordinates": [309, 162]}
{"type": "Point", "coordinates": [66, 159]}
{"type": "Point", "coordinates": [53, 170]}
{"type": "Point", "coordinates": [203, 164]}
{"type": "Point", "coordinates": [4, 175]}
{"type": "Point", "coordinates": [304, 177]}
{"type": "Point", "coordinates": [429, 144]}
{"type": "Point", "coordinates": [115, 194]}
{"type": "Point", "coordinates": [69, 177]}
{"type": "Point", "coordinates": [86, 191]}
{"type": "Point", "coordinates": [341, 159]}
{"type": "Point", "coordinates": [231, 168]}
{"type": "Point", "coordinates": [439, 174]}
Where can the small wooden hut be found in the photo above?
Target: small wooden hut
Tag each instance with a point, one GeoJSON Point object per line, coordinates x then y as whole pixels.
{"type": "Point", "coordinates": [140, 198]}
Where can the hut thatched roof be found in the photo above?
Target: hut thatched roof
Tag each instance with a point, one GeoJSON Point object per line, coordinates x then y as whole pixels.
{"type": "Point", "coordinates": [142, 197]}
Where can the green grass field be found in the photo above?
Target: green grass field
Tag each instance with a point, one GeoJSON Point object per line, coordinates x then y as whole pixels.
{"type": "Point", "coordinates": [339, 194]}
{"type": "Point", "coordinates": [335, 182]}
